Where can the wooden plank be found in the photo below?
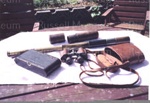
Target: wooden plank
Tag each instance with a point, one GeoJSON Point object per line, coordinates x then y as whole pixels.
{"type": "Point", "coordinates": [129, 19]}
{"type": "Point", "coordinates": [129, 14]}
{"type": "Point", "coordinates": [107, 12]}
{"type": "Point", "coordinates": [25, 24]}
{"type": "Point", "coordinates": [130, 8]}
{"type": "Point", "coordinates": [16, 8]}
{"type": "Point", "coordinates": [21, 15]}
{"type": "Point", "coordinates": [148, 15]}
{"type": "Point", "coordinates": [24, 21]}
{"type": "Point", "coordinates": [5, 35]}
{"type": "Point", "coordinates": [17, 28]}
{"type": "Point", "coordinates": [17, 5]}
{"type": "Point", "coordinates": [16, 16]}
{"type": "Point", "coordinates": [130, 26]}
{"type": "Point", "coordinates": [69, 93]}
{"type": "Point", "coordinates": [133, 0]}
{"type": "Point", "coordinates": [15, 1]}
{"type": "Point", "coordinates": [131, 3]}
{"type": "Point", "coordinates": [21, 21]}
{"type": "Point", "coordinates": [6, 32]}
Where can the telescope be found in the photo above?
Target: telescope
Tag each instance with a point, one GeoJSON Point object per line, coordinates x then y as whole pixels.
{"type": "Point", "coordinates": [86, 44]}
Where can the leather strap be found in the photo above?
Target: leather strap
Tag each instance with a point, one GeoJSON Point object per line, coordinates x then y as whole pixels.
{"type": "Point", "coordinates": [104, 84]}
{"type": "Point", "coordinates": [115, 66]}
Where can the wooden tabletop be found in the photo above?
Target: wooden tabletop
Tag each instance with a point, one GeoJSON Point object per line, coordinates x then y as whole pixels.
{"type": "Point", "coordinates": [69, 92]}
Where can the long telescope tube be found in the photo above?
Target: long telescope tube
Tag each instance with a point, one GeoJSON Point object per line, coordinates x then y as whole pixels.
{"type": "Point", "coordinates": [87, 44]}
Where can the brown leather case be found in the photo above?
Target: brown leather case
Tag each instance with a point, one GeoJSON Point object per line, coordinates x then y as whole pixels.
{"type": "Point", "coordinates": [120, 54]}
{"type": "Point", "coordinates": [114, 58]}
{"type": "Point", "coordinates": [126, 52]}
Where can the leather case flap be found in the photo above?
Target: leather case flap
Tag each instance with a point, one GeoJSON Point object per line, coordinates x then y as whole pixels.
{"type": "Point", "coordinates": [126, 52]}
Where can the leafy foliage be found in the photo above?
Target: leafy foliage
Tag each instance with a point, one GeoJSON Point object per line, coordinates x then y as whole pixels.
{"type": "Point", "coordinates": [95, 11]}
{"type": "Point", "coordinates": [58, 3]}
{"type": "Point", "coordinates": [49, 3]}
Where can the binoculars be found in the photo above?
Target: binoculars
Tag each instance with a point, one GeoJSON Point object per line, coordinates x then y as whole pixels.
{"type": "Point", "coordinates": [69, 55]}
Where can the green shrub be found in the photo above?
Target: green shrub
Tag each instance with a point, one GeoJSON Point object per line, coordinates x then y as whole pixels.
{"type": "Point", "coordinates": [37, 3]}
{"type": "Point", "coordinates": [43, 3]}
{"type": "Point", "coordinates": [95, 11]}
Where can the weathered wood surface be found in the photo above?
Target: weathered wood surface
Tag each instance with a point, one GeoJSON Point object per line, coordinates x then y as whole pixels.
{"type": "Point", "coordinates": [69, 93]}
{"type": "Point", "coordinates": [131, 12]}
{"type": "Point", "coordinates": [16, 16]}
